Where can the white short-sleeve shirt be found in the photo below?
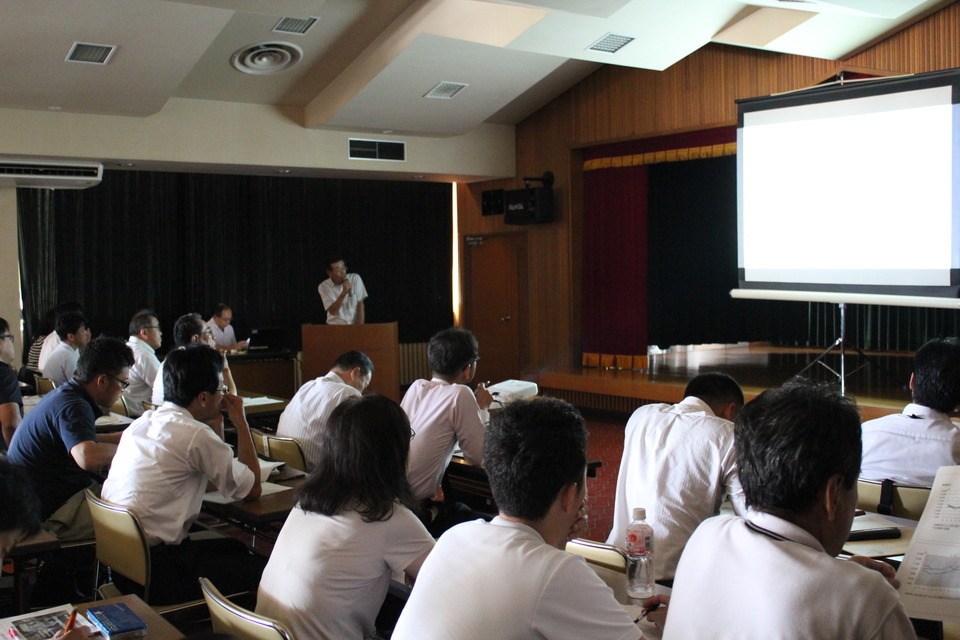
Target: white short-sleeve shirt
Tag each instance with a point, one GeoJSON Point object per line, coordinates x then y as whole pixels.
{"type": "Point", "coordinates": [328, 575]}
{"type": "Point", "coordinates": [329, 292]}
{"type": "Point", "coordinates": [501, 580]}
{"type": "Point", "coordinates": [143, 373]}
{"type": "Point", "coordinates": [61, 364]}
{"type": "Point", "coordinates": [161, 470]}
{"type": "Point", "coordinates": [910, 446]}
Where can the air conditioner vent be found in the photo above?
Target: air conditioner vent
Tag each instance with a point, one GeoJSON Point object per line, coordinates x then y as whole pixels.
{"type": "Point", "coordinates": [40, 174]}
{"type": "Point", "coordinates": [445, 90]}
{"type": "Point", "coordinates": [610, 43]}
{"type": "Point", "coordinates": [296, 26]}
{"type": "Point", "coordinates": [377, 150]}
{"type": "Point", "coordinates": [91, 53]}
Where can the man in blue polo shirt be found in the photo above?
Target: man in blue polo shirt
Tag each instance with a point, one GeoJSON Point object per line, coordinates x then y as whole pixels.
{"type": "Point", "coordinates": [58, 445]}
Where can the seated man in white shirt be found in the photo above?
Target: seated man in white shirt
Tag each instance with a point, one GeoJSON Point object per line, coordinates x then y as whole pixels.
{"type": "Point", "coordinates": [161, 470]}
{"type": "Point", "coordinates": [223, 334]}
{"type": "Point", "coordinates": [145, 339]}
{"type": "Point", "coordinates": [910, 446]}
{"type": "Point", "coordinates": [442, 412]}
{"type": "Point", "coordinates": [191, 329]}
{"type": "Point", "coordinates": [510, 578]}
{"type": "Point", "coordinates": [74, 335]}
{"type": "Point", "coordinates": [773, 573]}
{"type": "Point", "coordinates": [342, 294]}
{"type": "Point", "coordinates": [310, 409]}
{"type": "Point", "coordinates": [679, 463]}
{"type": "Point", "coordinates": [52, 340]}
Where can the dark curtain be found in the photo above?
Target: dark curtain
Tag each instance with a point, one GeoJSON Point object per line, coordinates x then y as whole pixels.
{"type": "Point", "coordinates": [615, 261]}
{"type": "Point", "coordinates": [183, 242]}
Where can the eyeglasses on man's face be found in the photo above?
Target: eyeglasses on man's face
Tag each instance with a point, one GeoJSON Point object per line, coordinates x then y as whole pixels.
{"type": "Point", "coordinates": [123, 383]}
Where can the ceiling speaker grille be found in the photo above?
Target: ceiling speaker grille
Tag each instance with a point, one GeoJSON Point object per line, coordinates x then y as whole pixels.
{"type": "Point", "coordinates": [445, 90]}
{"type": "Point", "coordinates": [298, 26]}
{"type": "Point", "coordinates": [610, 43]}
{"type": "Point", "coordinates": [91, 53]}
{"type": "Point", "coordinates": [359, 149]}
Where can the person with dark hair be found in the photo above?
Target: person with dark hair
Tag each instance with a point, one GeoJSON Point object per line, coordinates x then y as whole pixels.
{"type": "Point", "coordinates": [220, 323]}
{"type": "Point", "coordinates": [909, 447]}
{"type": "Point", "coordinates": [57, 442]}
{"type": "Point", "coordinates": [342, 293]}
{"type": "Point", "coordinates": [444, 411]}
{"type": "Point", "coordinates": [32, 356]}
{"type": "Point", "coordinates": [161, 470]}
{"type": "Point", "coordinates": [145, 339]}
{"type": "Point", "coordinates": [330, 568]}
{"type": "Point", "coordinates": [74, 335]}
{"type": "Point", "coordinates": [510, 578]}
{"type": "Point", "coordinates": [679, 463]}
{"type": "Point", "coordinates": [309, 410]}
{"type": "Point", "coordinates": [772, 573]}
{"type": "Point", "coordinates": [52, 340]}
{"type": "Point", "coordinates": [191, 329]}
{"type": "Point", "coordinates": [11, 401]}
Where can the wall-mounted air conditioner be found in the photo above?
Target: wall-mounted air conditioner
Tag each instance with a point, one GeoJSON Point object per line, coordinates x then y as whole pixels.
{"type": "Point", "coordinates": [48, 174]}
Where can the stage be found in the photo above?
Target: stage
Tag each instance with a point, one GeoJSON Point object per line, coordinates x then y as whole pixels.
{"type": "Point", "coordinates": [878, 382]}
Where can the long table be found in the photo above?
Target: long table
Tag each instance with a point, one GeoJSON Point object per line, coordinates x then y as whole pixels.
{"type": "Point", "coordinates": [260, 517]}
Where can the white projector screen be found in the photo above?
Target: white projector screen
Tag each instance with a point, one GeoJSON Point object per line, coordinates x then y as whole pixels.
{"type": "Point", "coordinates": [851, 190]}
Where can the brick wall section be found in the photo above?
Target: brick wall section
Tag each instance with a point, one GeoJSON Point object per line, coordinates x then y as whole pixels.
{"type": "Point", "coordinates": [606, 444]}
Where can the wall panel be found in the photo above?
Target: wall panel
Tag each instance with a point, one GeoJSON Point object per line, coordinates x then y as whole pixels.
{"type": "Point", "coordinates": [619, 103]}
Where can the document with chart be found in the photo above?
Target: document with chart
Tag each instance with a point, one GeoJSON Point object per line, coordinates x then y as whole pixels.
{"type": "Point", "coordinates": [930, 573]}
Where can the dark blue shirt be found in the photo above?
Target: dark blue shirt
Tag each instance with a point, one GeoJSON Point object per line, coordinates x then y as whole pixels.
{"type": "Point", "coordinates": [64, 418]}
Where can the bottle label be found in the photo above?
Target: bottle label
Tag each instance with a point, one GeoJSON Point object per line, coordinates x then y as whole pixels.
{"type": "Point", "coordinates": [639, 541]}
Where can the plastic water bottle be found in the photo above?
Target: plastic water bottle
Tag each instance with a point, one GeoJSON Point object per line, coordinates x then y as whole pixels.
{"type": "Point", "coordinates": [639, 543]}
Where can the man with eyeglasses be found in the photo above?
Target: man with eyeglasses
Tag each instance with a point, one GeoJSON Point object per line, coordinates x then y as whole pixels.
{"type": "Point", "coordinates": [161, 470]}
{"type": "Point", "coordinates": [444, 411]}
{"type": "Point", "coordinates": [342, 293]}
{"type": "Point", "coordinates": [224, 338]}
{"type": "Point", "coordinates": [191, 329]}
{"type": "Point", "coordinates": [145, 339]}
{"type": "Point", "coordinates": [58, 444]}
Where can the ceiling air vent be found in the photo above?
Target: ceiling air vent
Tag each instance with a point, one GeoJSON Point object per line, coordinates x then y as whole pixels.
{"type": "Point", "coordinates": [91, 53]}
{"type": "Point", "coordinates": [445, 90]}
{"type": "Point", "coordinates": [266, 58]}
{"type": "Point", "coordinates": [296, 26]}
{"type": "Point", "coordinates": [41, 174]}
{"type": "Point", "coordinates": [610, 43]}
{"type": "Point", "coordinates": [378, 150]}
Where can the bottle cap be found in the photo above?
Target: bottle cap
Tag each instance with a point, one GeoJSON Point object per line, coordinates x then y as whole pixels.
{"type": "Point", "coordinates": [639, 513]}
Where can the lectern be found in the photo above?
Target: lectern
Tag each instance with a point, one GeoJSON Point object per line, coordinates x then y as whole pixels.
{"type": "Point", "coordinates": [324, 343]}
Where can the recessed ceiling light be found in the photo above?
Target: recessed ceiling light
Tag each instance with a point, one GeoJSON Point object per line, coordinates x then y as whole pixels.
{"type": "Point", "coordinates": [54, 107]}
{"type": "Point", "coordinates": [418, 177]}
{"type": "Point", "coordinates": [126, 165]}
{"type": "Point", "coordinates": [284, 172]}
{"type": "Point", "coordinates": [387, 131]}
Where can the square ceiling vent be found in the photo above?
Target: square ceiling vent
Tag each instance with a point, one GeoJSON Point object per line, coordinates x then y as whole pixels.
{"type": "Point", "coordinates": [445, 90]}
{"type": "Point", "coordinates": [296, 26]}
{"type": "Point", "coordinates": [91, 53]}
{"type": "Point", "coordinates": [610, 43]}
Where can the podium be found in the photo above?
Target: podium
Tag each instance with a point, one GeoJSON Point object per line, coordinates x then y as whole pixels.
{"type": "Point", "coordinates": [324, 343]}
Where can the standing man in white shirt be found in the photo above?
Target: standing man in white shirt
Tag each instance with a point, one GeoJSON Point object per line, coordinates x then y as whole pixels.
{"type": "Point", "coordinates": [773, 573]}
{"type": "Point", "coordinates": [161, 470]}
{"type": "Point", "coordinates": [309, 410]}
{"type": "Point", "coordinates": [444, 411]}
{"type": "Point", "coordinates": [342, 294]}
{"type": "Point", "coordinates": [145, 339]}
{"type": "Point", "coordinates": [910, 446]}
{"type": "Point", "coordinates": [679, 463]}
{"type": "Point", "coordinates": [71, 328]}
{"type": "Point", "coordinates": [223, 335]}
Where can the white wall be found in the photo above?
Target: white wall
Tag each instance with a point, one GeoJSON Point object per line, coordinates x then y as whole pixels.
{"type": "Point", "coordinates": [10, 266]}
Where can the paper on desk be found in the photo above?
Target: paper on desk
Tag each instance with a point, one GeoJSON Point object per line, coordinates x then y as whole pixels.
{"type": "Point", "coordinates": [930, 573]}
{"type": "Point", "coordinates": [54, 617]}
{"type": "Point", "coordinates": [267, 467]}
{"type": "Point", "coordinates": [253, 402]}
{"type": "Point", "coordinates": [267, 488]}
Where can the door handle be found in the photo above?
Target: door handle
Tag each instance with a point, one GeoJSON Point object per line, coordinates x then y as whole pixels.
{"type": "Point", "coordinates": [505, 318]}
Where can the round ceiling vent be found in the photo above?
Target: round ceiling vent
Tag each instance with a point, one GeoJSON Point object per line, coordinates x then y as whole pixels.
{"type": "Point", "coordinates": [266, 58]}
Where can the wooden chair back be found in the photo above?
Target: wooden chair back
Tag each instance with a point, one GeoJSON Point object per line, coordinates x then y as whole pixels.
{"type": "Point", "coordinates": [606, 555]}
{"type": "Point", "coordinates": [231, 619]}
{"type": "Point", "coordinates": [43, 385]}
{"type": "Point", "coordinates": [907, 502]}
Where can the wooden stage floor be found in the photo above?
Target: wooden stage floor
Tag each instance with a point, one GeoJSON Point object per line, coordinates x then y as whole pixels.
{"type": "Point", "coordinates": [879, 382]}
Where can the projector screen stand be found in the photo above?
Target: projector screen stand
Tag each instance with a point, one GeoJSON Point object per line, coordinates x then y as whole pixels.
{"type": "Point", "coordinates": [841, 343]}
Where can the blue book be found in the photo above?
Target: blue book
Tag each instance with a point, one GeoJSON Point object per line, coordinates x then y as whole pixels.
{"type": "Point", "coordinates": [117, 621]}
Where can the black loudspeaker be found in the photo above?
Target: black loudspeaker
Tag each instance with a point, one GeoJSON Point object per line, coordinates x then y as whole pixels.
{"type": "Point", "coordinates": [492, 202]}
{"type": "Point", "coordinates": [528, 206]}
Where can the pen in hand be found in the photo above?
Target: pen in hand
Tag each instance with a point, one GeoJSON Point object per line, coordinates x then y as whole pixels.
{"type": "Point", "coordinates": [70, 621]}
{"type": "Point", "coordinates": [646, 612]}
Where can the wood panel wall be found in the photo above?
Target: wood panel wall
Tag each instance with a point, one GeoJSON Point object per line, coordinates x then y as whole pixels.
{"type": "Point", "coordinates": [618, 103]}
